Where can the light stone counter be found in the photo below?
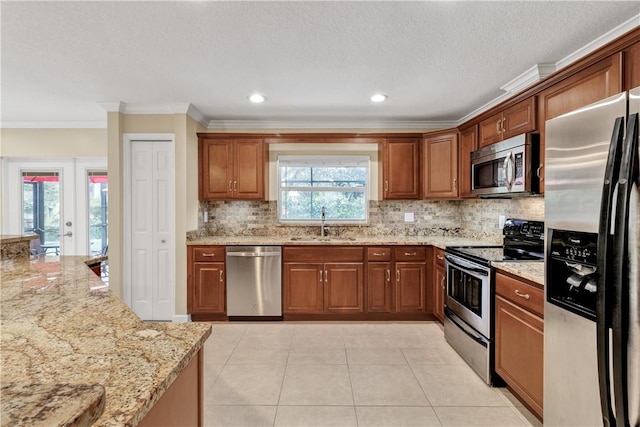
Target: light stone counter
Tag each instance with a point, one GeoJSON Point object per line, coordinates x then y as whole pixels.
{"type": "Point", "coordinates": [439, 241]}
{"type": "Point", "coordinates": [530, 270]}
{"type": "Point", "coordinates": [15, 246]}
{"type": "Point", "coordinates": [61, 325]}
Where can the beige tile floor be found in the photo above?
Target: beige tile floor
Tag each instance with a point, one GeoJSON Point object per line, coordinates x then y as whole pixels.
{"type": "Point", "coordinates": [346, 374]}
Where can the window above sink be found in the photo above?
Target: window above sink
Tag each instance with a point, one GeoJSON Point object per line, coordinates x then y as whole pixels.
{"type": "Point", "coordinates": [308, 183]}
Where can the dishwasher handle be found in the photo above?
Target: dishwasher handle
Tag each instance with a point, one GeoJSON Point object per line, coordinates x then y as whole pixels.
{"type": "Point", "coordinates": [253, 254]}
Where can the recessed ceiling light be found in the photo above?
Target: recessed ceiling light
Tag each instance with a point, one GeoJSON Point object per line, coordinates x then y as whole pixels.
{"type": "Point", "coordinates": [378, 97]}
{"type": "Point", "coordinates": [257, 98]}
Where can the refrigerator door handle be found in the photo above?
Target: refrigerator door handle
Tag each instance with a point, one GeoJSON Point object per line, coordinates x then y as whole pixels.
{"type": "Point", "coordinates": [604, 292]}
{"type": "Point", "coordinates": [628, 178]}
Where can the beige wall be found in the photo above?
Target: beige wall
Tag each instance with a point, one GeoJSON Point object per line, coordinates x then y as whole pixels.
{"type": "Point", "coordinates": [184, 129]}
{"type": "Point", "coordinates": [53, 143]}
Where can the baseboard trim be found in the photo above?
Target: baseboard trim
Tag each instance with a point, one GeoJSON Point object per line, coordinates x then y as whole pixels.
{"type": "Point", "coordinates": [181, 318]}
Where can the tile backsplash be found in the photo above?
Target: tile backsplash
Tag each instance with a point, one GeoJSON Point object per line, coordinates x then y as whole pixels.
{"type": "Point", "coordinates": [472, 218]}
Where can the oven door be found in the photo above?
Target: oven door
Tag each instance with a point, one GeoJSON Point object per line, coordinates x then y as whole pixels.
{"type": "Point", "coordinates": [468, 291]}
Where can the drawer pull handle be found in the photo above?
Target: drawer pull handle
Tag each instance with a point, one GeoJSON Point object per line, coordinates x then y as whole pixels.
{"type": "Point", "coordinates": [410, 253]}
{"type": "Point", "coordinates": [442, 282]}
{"type": "Point", "coordinates": [378, 254]}
{"type": "Point", "coordinates": [521, 295]}
{"type": "Point", "coordinates": [440, 257]}
{"type": "Point", "coordinates": [209, 255]}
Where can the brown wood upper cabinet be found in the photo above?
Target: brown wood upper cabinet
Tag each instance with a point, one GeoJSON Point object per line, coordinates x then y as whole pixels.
{"type": "Point", "coordinates": [440, 165]}
{"type": "Point", "coordinates": [468, 144]}
{"type": "Point", "coordinates": [517, 119]}
{"type": "Point", "coordinates": [231, 169]}
{"type": "Point", "coordinates": [400, 168]}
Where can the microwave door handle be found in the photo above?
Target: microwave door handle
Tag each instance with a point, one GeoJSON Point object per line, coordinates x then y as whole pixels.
{"type": "Point", "coordinates": [508, 160]}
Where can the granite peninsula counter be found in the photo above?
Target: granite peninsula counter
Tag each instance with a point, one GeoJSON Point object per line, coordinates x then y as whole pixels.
{"type": "Point", "coordinates": [63, 328]}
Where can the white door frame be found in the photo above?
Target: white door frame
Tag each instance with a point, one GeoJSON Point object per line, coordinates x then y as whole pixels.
{"type": "Point", "coordinates": [127, 139]}
{"type": "Point", "coordinates": [73, 203]}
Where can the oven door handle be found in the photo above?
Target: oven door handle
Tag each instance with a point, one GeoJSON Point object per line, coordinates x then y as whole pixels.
{"type": "Point", "coordinates": [466, 266]}
{"type": "Point", "coordinates": [472, 333]}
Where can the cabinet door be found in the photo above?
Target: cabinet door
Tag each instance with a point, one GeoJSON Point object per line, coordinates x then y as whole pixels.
{"type": "Point", "coordinates": [440, 287]}
{"type": "Point", "coordinates": [519, 351]}
{"type": "Point", "coordinates": [344, 287]}
{"type": "Point", "coordinates": [490, 130]}
{"type": "Point", "coordinates": [379, 287]}
{"type": "Point", "coordinates": [216, 174]}
{"type": "Point", "coordinates": [303, 288]}
{"type": "Point", "coordinates": [208, 287]}
{"type": "Point", "coordinates": [441, 166]}
{"type": "Point", "coordinates": [599, 81]}
{"type": "Point", "coordinates": [410, 287]}
{"type": "Point", "coordinates": [401, 168]}
{"type": "Point", "coordinates": [519, 118]}
{"type": "Point", "coordinates": [248, 181]}
{"type": "Point", "coordinates": [468, 144]}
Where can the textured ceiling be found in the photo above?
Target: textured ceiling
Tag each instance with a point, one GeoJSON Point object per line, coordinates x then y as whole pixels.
{"type": "Point", "coordinates": [315, 61]}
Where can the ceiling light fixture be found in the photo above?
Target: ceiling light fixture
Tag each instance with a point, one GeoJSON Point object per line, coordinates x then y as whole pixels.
{"type": "Point", "coordinates": [378, 97]}
{"type": "Point", "coordinates": [257, 98]}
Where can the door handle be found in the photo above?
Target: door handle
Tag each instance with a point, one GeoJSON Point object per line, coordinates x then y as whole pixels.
{"type": "Point", "coordinates": [498, 126]}
{"type": "Point", "coordinates": [398, 275]}
{"type": "Point", "coordinates": [388, 275]}
{"type": "Point", "coordinates": [221, 276]}
{"type": "Point", "coordinates": [235, 186]}
{"type": "Point", "coordinates": [502, 125]}
{"type": "Point", "coordinates": [321, 276]}
{"type": "Point", "coordinates": [67, 234]}
{"type": "Point", "coordinates": [540, 170]}
{"type": "Point", "coordinates": [386, 186]}
{"type": "Point", "coordinates": [326, 276]}
{"type": "Point", "coordinates": [442, 282]}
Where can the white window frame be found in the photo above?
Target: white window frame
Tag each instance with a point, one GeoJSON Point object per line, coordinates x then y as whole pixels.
{"type": "Point", "coordinates": [323, 160]}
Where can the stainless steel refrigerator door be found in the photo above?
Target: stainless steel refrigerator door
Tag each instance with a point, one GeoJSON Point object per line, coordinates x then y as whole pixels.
{"type": "Point", "coordinates": [634, 286]}
{"type": "Point", "coordinates": [576, 149]}
{"type": "Point", "coordinates": [254, 281]}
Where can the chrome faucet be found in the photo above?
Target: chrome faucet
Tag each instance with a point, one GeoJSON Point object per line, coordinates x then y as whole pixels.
{"type": "Point", "coordinates": [323, 230]}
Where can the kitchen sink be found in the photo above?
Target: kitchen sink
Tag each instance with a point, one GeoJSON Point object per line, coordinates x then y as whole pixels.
{"type": "Point", "coordinates": [322, 239]}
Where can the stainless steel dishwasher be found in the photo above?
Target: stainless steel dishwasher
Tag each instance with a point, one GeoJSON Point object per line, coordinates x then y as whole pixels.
{"type": "Point", "coordinates": [254, 281]}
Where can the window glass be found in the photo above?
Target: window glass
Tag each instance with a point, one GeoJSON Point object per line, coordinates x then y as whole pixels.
{"type": "Point", "coordinates": [309, 183]}
{"type": "Point", "coordinates": [97, 185]}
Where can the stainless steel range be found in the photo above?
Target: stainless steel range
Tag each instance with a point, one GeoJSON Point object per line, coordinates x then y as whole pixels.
{"type": "Point", "coordinates": [469, 302]}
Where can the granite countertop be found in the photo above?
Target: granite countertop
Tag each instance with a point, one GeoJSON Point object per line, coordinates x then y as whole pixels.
{"type": "Point", "coordinates": [14, 238]}
{"type": "Point", "coordinates": [530, 270]}
{"type": "Point", "coordinates": [61, 326]}
{"type": "Point", "coordinates": [51, 404]}
{"type": "Point", "coordinates": [438, 241]}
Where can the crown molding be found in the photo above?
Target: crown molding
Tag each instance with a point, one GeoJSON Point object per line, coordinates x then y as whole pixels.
{"type": "Point", "coordinates": [53, 124]}
{"type": "Point", "coordinates": [409, 125]}
{"type": "Point", "coordinates": [607, 37]}
{"type": "Point", "coordinates": [112, 107]}
{"type": "Point", "coordinates": [529, 77]}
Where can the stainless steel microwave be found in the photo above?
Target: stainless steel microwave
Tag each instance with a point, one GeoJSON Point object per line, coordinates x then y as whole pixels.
{"type": "Point", "coordinates": [506, 169]}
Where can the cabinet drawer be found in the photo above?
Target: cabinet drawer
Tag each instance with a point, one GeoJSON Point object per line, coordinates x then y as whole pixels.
{"type": "Point", "coordinates": [411, 253]}
{"type": "Point", "coordinates": [209, 253]}
{"type": "Point", "coordinates": [378, 254]}
{"type": "Point", "coordinates": [327, 253]}
{"type": "Point", "coordinates": [439, 257]}
{"type": "Point", "coordinates": [520, 293]}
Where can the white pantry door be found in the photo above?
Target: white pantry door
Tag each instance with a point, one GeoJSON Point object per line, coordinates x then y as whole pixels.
{"type": "Point", "coordinates": [152, 229]}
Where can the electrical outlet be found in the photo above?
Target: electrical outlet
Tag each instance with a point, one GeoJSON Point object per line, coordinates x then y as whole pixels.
{"type": "Point", "coordinates": [408, 217]}
{"type": "Point", "coordinates": [501, 219]}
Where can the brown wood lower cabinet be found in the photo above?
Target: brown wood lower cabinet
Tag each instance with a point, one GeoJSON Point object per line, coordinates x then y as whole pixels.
{"type": "Point", "coordinates": [439, 283]}
{"type": "Point", "coordinates": [411, 281]}
{"type": "Point", "coordinates": [520, 339]}
{"type": "Point", "coordinates": [206, 282]}
{"type": "Point", "coordinates": [335, 285]}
